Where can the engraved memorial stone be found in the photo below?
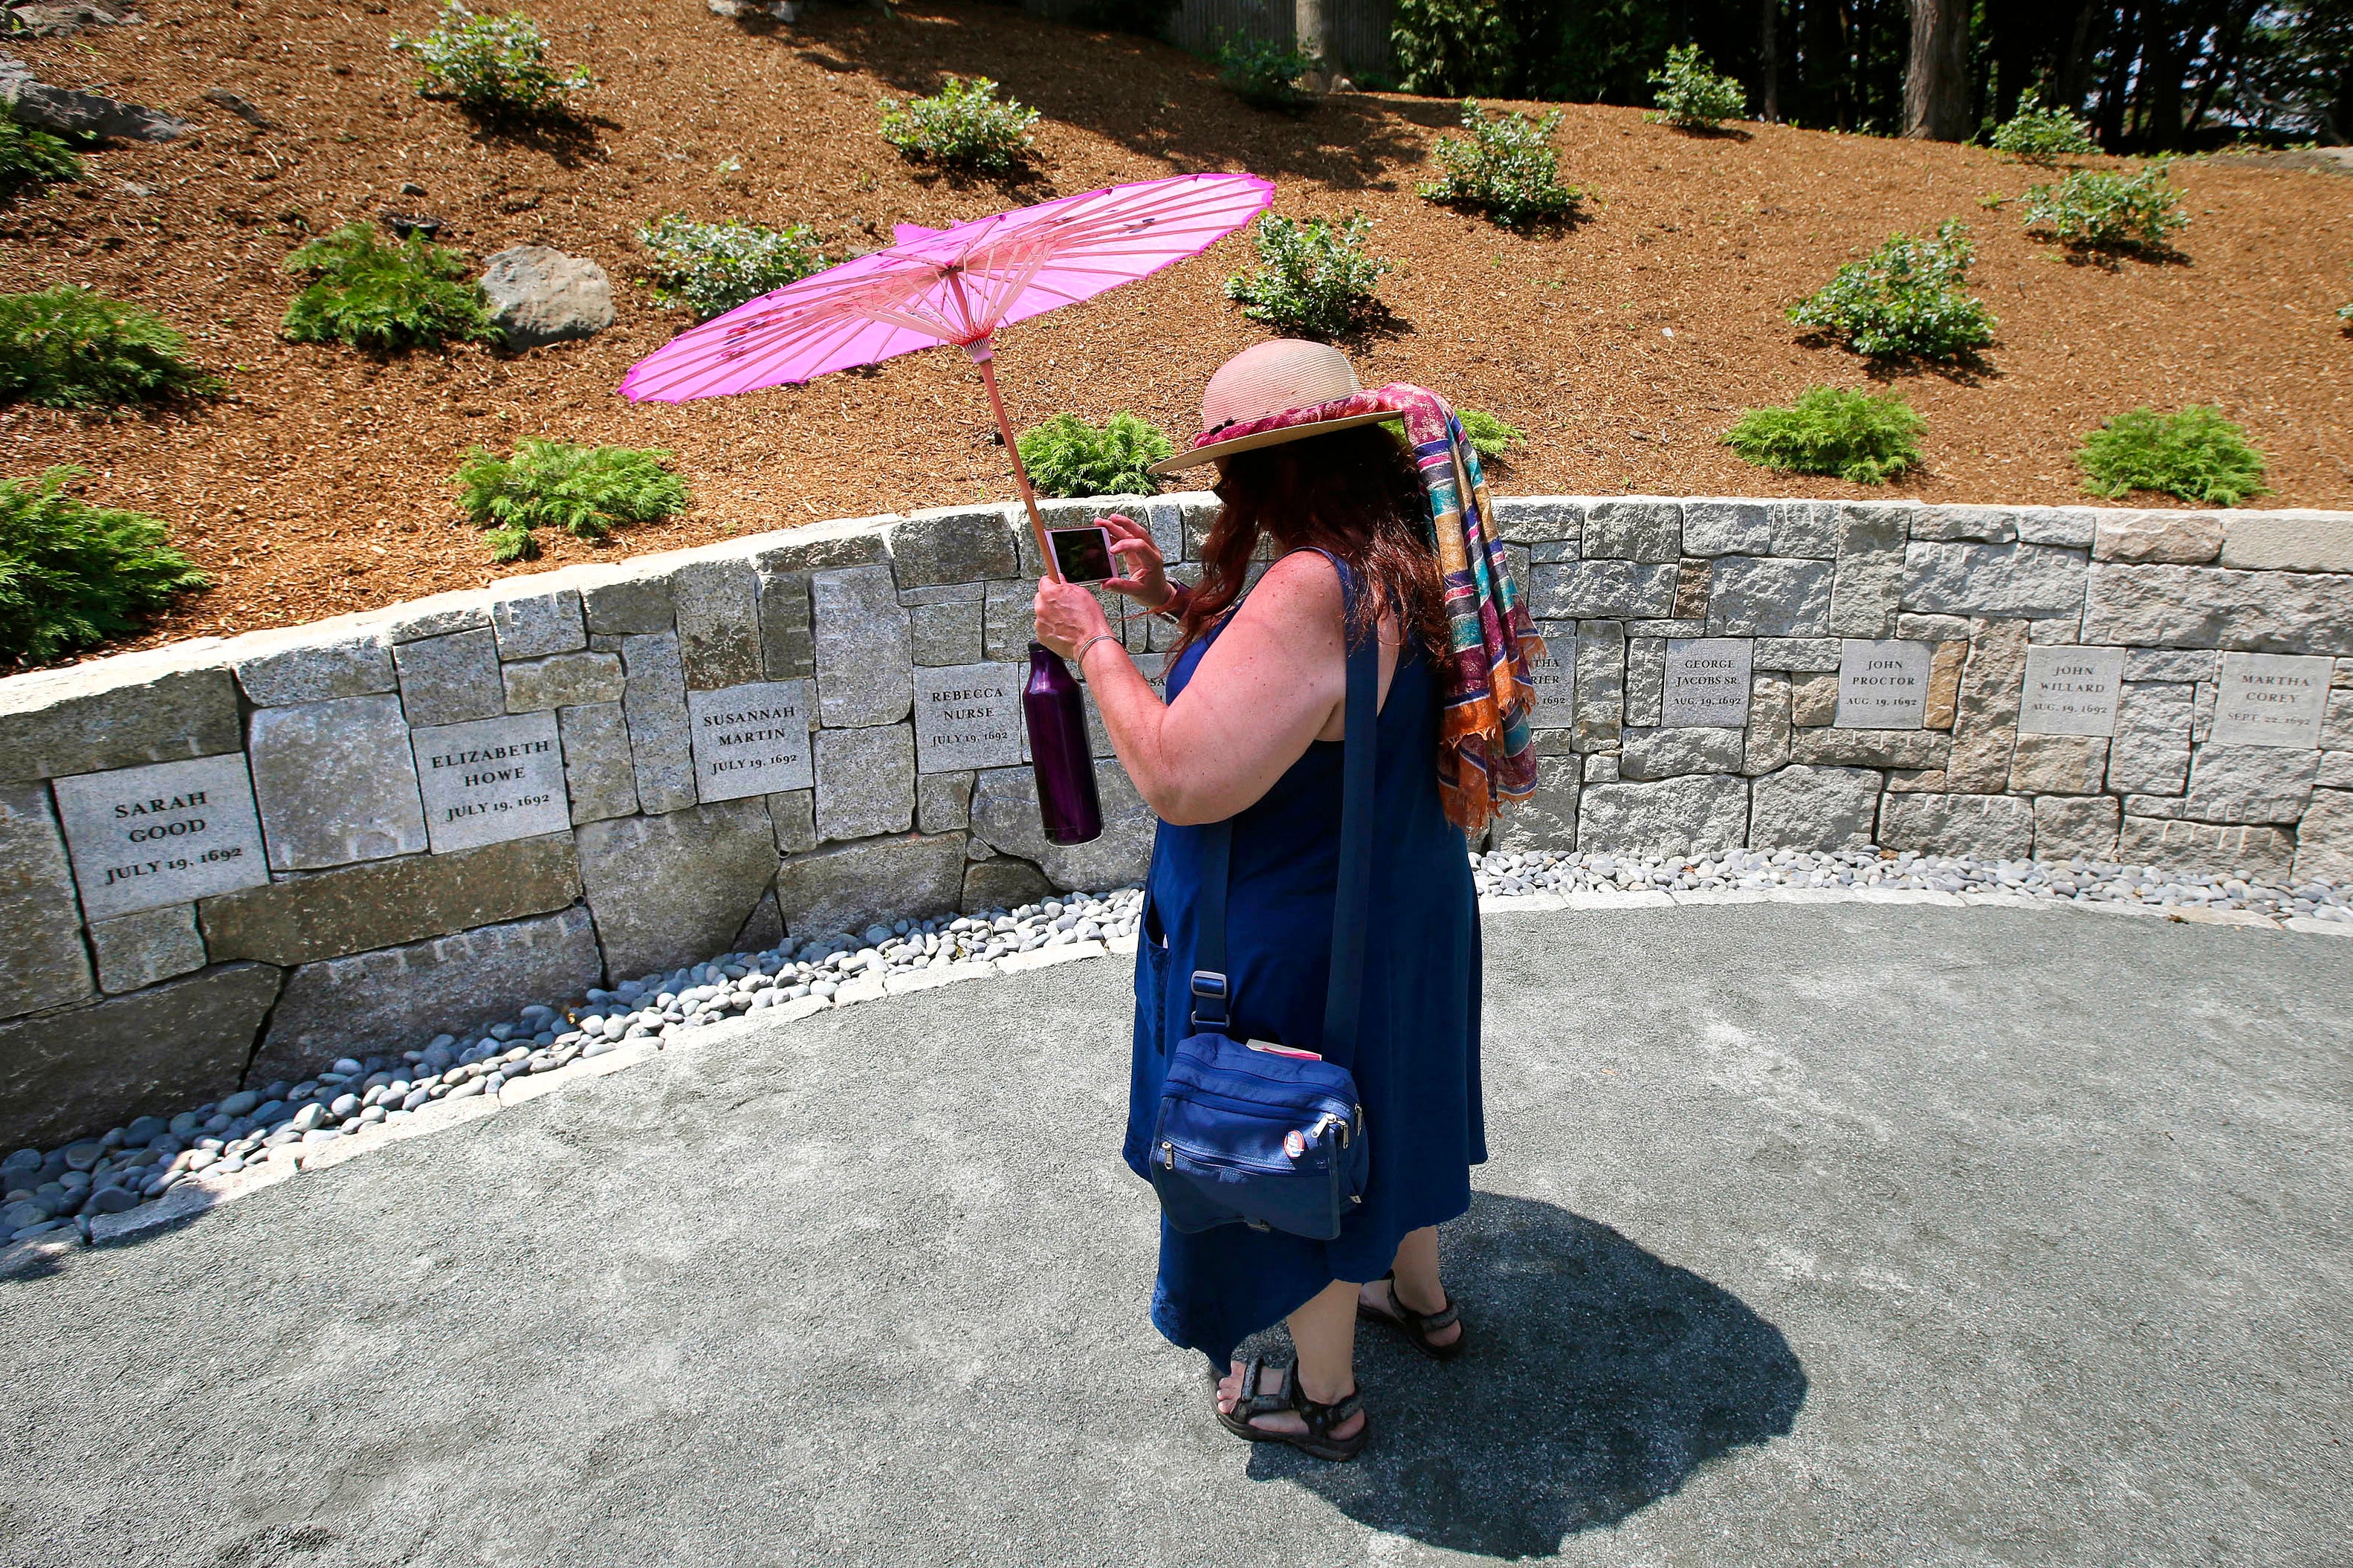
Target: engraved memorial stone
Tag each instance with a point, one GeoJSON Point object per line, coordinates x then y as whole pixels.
{"type": "Point", "coordinates": [1554, 675]}
{"type": "Point", "coordinates": [968, 716]}
{"type": "Point", "coordinates": [490, 780]}
{"type": "Point", "coordinates": [1883, 685]}
{"type": "Point", "coordinates": [167, 833]}
{"type": "Point", "coordinates": [2071, 691]}
{"type": "Point", "coordinates": [2270, 699]}
{"type": "Point", "coordinates": [1706, 683]}
{"type": "Point", "coordinates": [751, 739]}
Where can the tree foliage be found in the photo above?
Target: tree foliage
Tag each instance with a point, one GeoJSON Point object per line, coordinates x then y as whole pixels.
{"type": "Point", "coordinates": [73, 575]}
{"type": "Point", "coordinates": [1067, 457]}
{"type": "Point", "coordinates": [67, 347]}
{"type": "Point", "coordinates": [1858, 437]}
{"type": "Point", "coordinates": [2197, 454]}
{"type": "Point", "coordinates": [370, 295]}
{"type": "Point", "coordinates": [2145, 75]}
{"type": "Point", "coordinates": [587, 491]}
{"type": "Point", "coordinates": [495, 66]}
{"type": "Point", "coordinates": [1905, 301]}
{"type": "Point", "coordinates": [964, 125]}
{"type": "Point", "coordinates": [1506, 168]}
{"type": "Point", "coordinates": [1312, 277]}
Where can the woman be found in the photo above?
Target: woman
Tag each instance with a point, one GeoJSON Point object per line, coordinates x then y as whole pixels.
{"type": "Point", "coordinates": [1250, 733]}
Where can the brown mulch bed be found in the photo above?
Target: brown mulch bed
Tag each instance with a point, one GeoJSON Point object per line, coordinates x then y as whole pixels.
{"type": "Point", "coordinates": [1624, 344]}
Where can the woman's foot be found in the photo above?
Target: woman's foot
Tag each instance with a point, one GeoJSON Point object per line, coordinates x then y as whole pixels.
{"type": "Point", "coordinates": [1283, 1422]}
{"type": "Point", "coordinates": [1382, 1299]}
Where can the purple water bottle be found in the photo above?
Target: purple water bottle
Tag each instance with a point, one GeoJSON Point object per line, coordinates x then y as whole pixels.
{"type": "Point", "coordinates": [1059, 754]}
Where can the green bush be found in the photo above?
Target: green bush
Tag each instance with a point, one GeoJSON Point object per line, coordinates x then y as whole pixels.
{"type": "Point", "coordinates": [712, 268]}
{"type": "Point", "coordinates": [1691, 95]}
{"type": "Point", "coordinates": [1905, 301]}
{"type": "Point", "coordinates": [1506, 168]}
{"type": "Point", "coordinates": [2038, 135]}
{"type": "Point", "coordinates": [587, 491]}
{"type": "Point", "coordinates": [1263, 74]}
{"type": "Point", "coordinates": [372, 295]}
{"type": "Point", "coordinates": [1067, 457]}
{"type": "Point", "coordinates": [962, 126]}
{"type": "Point", "coordinates": [1829, 430]}
{"type": "Point", "coordinates": [68, 348]}
{"type": "Point", "coordinates": [1312, 277]}
{"type": "Point", "coordinates": [493, 65]}
{"type": "Point", "coordinates": [28, 156]}
{"type": "Point", "coordinates": [1489, 437]}
{"type": "Point", "coordinates": [2093, 209]}
{"type": "Point", "coordinates": [1451, 48]}
{"type": "Point", "coordinates": [73, 575]}
{"type": "Point", "coordinates": [2196, 455]}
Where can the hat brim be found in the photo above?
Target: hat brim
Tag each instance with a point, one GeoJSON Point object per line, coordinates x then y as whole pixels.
{"type": "Point", "coordinates": [1195, 457]}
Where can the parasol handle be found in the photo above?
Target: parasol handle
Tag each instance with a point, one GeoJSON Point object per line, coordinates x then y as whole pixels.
{"type": "Point", "coordinates": [984, 355]}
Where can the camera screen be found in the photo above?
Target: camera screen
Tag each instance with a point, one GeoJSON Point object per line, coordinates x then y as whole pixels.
{"type": "Point", "coordinates": [1083, 553]}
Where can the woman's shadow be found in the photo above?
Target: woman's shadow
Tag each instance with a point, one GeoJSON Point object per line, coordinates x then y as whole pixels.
{"type": "Point", "coordinates": [1598, 1380]}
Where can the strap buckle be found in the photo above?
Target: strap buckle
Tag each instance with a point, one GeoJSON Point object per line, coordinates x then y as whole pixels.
{"type": "Point", "coordinates": [1211, 995]}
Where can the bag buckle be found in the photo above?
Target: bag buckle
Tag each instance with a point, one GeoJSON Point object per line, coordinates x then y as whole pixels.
{"type": "Point", "coordinates": [1209, 997]}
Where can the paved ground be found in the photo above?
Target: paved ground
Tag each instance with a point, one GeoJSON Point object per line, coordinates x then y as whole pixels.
{"type": "Point", "coordinates": [1815, 1235]}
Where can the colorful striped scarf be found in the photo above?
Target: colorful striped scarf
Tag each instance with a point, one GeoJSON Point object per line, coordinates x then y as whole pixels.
{"type": "Point", "coordinates": [1486, 753]}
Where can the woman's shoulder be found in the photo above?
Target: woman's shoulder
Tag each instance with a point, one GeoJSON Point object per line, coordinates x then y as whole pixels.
{"type": "Point", "coordinates": [1302, 584]}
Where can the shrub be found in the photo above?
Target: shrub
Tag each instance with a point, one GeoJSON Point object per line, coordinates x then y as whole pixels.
{"type": "Point", "coordinates": [1067, 457]}
{"type": "Point", "coordinates": [712, 268]}
{"type": "Point", "coordinates": [1263, 74]}
{"type": "Point", "coordinates": [1829, 430]}
{"type": "Point", "coordinates": [1311, 277]}
{"type": "Point", "coordinates": [587, 491]}
{"type": "Point", "coordinates": [2093, 209]}
{"type": "Point", "coordinates": [28, 156]}
{"type": "Point", "coordinates": [2196, 455]}
{"type": "Point", "coordinates": [1448, 48]}
{"type": "Point", "coordinates": [1905, 301]}
{"type": "Point", "coordinates": [1692, 97]}
{"type": "Point", "coordinates": [68, 348]}
{"type": "Point", "coordinates": [2038, 135]}
{"type": "Point", "coordinates": [73, 575]}
{"type": "Point", "coordinates": [372, 295]}
{"type": "Point", "coordinates": [493, 65]}
{"type": "Point", "coordinates": [1489, 437]}
{"type": "Point", "coordinates": [1506, 168]}
{"type": "Point", "coordinates": [963, 126]}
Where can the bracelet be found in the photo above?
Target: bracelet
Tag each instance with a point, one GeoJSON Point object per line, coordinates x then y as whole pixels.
{"type": "Point", "coordinates": [1078, 658]}
{"type": "Point", "coordinates": [1179, 596]}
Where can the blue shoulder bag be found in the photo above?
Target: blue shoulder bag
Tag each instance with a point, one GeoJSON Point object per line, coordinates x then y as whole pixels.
{"type": "Point", "coordinates": [1260, 1137]}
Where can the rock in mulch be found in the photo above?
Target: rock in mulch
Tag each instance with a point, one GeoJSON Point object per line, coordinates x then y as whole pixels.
{"type": "Point", "coordinates": [62, 109]}
{"type": "Point", "coordinates": [62, 19]}
{"type": "Point", "coordinates": [538, 295]}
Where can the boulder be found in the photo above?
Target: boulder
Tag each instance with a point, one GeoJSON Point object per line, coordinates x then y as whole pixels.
{"type": "Point", "coordinates": [70, 113]}
{"type": "Point", "coordinates": [538, 295]}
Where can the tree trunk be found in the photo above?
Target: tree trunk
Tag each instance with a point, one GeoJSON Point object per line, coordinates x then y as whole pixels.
{"type": "Point", "coordinates": [1317, 25]}
{"type": "Point", "coordinates": [1936, 71]}
{"type": "Point", "coordinates": [1769, 58]}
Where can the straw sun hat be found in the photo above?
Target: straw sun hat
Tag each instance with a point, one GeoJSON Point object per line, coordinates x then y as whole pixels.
{"type": "Point", "coordinates": [1266, 379]}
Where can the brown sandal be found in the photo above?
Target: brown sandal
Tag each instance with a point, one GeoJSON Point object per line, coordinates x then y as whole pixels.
{"type": "Point", "coordinates": [1417, 1326]}
{"type": "Point", "coordinates": [1317, 1441]}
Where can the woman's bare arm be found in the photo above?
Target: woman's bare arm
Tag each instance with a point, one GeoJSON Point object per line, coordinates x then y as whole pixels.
{"type": "Point", "coordinates": [1272, 683]}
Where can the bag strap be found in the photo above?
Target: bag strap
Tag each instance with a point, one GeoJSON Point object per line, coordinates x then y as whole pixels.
{"type": "Point", "coordinates": [1342, 999]}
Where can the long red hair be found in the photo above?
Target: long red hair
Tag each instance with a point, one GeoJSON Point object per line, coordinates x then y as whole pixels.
{"type": "Point", "coordinates": [1354, 493]}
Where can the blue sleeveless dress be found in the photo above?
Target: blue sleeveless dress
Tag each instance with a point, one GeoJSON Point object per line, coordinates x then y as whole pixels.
{"type": "Point", "coordinates": [1417, 1059]}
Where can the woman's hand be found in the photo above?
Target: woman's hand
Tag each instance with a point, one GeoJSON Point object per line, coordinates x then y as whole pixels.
{"type": "Point", "coordinates": [1147, 578]}
{"type": "Point", "coordinates": [1068, 615]}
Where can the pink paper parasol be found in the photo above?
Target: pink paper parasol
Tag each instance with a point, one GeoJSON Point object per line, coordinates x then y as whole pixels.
{"type": "Point", "coordinates": [956, 285]}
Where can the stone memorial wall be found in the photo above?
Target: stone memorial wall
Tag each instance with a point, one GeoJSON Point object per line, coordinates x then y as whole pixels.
{"type": "Point", "coordinates": [234, 859]}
